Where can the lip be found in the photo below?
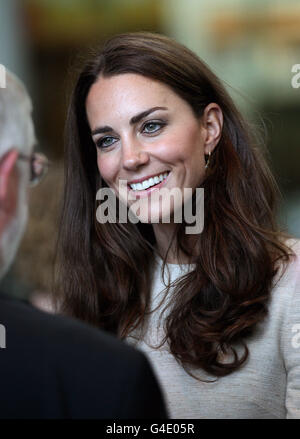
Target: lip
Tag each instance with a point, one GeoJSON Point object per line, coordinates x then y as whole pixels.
{"type": "Point", "coordinates": [139, 180]}
{"type": "Point", "coordinates": [146, 192]}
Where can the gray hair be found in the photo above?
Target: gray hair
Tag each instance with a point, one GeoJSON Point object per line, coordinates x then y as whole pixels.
{"type": "Point", "coordinates": [16, 127]}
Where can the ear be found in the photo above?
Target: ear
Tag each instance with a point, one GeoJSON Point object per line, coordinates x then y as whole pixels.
{"type": "Point", "coordinates": [212, 121]}
{"type": "Point", "coordinates": [7, 167]}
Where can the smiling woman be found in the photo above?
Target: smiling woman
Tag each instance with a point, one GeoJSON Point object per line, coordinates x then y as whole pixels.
{"type": "Point", "coordinates": [143, 141]}
{"type": "Point", "coordinates": [147, 116]}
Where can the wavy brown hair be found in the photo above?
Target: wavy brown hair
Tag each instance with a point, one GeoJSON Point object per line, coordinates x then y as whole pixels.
{"type": "Point", "coordinates": [104, 270]}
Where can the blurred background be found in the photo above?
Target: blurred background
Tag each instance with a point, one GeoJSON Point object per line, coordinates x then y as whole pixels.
{"type": "Point", "coordinates": [252, 45]}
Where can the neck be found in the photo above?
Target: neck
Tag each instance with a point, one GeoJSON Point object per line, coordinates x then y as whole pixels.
{"type": "Point", "coordinates": [163, 234]}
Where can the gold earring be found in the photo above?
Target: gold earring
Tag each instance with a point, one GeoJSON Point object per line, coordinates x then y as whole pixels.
{"type": "Point", "coordinates": [207, 162]}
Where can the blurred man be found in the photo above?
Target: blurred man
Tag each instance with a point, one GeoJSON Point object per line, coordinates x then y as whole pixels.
{"type": "Point", "coordinates": [52, 366]}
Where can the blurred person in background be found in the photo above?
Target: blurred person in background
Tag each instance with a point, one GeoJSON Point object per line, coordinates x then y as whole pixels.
{"type": "Point", "coordinates": [41, 228]}
{"type": "Point", "coordinates": [147, 113]}
{"type": "Point", "coordinates": [50, 366]}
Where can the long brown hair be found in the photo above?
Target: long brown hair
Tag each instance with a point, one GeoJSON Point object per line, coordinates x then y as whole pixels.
{"type": "Point", "coordinates": [105, 269]}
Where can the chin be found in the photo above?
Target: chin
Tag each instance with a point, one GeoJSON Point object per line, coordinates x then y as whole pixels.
{"type": "Point", "coordinates": [154, 215]}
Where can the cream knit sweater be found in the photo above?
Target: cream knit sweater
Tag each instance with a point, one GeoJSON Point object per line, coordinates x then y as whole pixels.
{"type": "Point", "coordinates": [267, 386]}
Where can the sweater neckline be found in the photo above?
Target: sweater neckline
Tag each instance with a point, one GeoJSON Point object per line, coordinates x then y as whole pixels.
{"type": "Point", "coordinates": [170, 264]}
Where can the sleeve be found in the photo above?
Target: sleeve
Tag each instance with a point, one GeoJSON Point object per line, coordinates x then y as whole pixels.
{"type": "Point", "coordinates": [291, 346]}
{"type": "Point", "coordinates": [90, 374]}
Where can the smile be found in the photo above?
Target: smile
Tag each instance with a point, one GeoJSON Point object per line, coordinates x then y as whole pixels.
{"type": "Point", "coordinates": [153, 181]}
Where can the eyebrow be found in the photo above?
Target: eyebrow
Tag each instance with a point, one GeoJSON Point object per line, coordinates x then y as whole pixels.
{"type": "Point", "coordinates": [133, 120]}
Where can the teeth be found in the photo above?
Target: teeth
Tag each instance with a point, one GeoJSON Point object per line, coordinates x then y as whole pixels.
{"type": "Point", "coordinates": [148, 183]}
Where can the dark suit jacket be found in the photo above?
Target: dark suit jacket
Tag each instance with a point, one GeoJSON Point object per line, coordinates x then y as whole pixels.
{"type": "Point", "coordinates": [57, 367]}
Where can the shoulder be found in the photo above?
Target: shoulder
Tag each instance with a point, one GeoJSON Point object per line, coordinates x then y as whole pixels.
{"type": "Point", "coordinates": [285, 299]}
{"type": "Point", "coordinates": [291, 277]}
{"type": "Point", "coordinates": [294, 245]}
{"type": "Point", "coordinates": [96, 374]}
{"type": "Point", "coordinates": [289, 298]}
{"type": "Point", "coordinates": [29, 325]}
{"type": "Point", "coordinates": [288, 275]}
{"type": "Point", "coordinates": [284, 305]}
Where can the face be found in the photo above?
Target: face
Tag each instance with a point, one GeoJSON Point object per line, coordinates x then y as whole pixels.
{"type": "Point", "coordinates": [15, 219]}
{"type": "Point", "coordinates": [145, 135]}
{"type": "Point", "coordinates": [13, 233]}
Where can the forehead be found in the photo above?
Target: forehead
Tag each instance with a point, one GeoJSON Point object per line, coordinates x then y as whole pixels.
{"type": "Point", "coordinates": [128, 92]}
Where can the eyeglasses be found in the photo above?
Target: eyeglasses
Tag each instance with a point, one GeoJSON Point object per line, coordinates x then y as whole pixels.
{"type": "Point", "coordinates": [39, 165]}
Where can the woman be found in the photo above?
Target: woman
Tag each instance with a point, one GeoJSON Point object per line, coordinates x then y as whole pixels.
{"type": "Point", "coordinates": [147, 112]}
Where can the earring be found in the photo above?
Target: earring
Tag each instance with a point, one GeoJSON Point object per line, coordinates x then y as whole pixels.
{"type": "Point", "coordinates": [207, 162]}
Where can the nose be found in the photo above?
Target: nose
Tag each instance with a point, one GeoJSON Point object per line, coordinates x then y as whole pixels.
{"type": "Point", "coordinates": [134, 154]}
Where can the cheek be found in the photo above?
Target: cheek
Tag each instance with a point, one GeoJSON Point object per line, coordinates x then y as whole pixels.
{"type": "Point", "coordinates": [107, 167]}
{"type": "Point", "coordinates": [188, 153]}
{"type": "Point", "coordinates": [185, 145]}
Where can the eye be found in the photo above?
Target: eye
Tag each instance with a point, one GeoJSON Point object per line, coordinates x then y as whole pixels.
{"type": "Point", "coordinates": [152, 127]}
{"type": "Point", "coordinates": [105, 142]}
